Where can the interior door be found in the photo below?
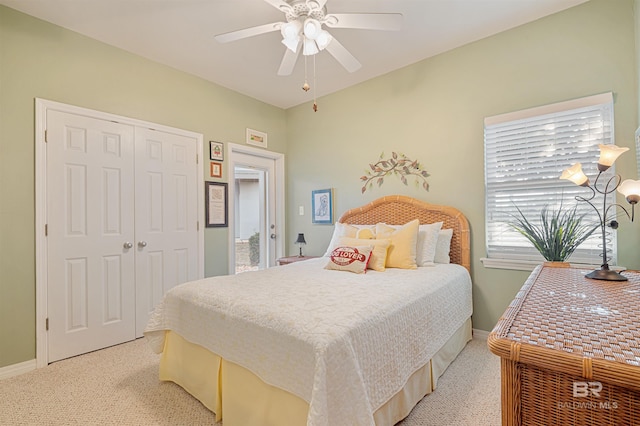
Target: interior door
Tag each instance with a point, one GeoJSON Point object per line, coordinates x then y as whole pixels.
{"type": "Point", "coordinates": [90, 204]}
{"type": "Point", "coordinates": [166, 224]}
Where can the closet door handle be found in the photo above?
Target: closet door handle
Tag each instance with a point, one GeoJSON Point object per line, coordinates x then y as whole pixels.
{"type": "Point", "coordinates": [142, 244]}
{"type": "Point", "coordinates": [127, 245]}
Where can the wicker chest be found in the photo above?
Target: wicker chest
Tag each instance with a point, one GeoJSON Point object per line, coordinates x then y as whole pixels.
{"type": "Point", "coordinates": [570, 350]}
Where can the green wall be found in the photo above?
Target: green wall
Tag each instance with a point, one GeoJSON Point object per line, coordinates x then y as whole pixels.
{"type": "Point", "coordinates": [41, 60]}
{"type": "Point", "coordinates": [433, 111]}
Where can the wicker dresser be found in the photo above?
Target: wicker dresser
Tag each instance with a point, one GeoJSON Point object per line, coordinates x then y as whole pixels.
{"type": "Point", "coordinates": [570, 350]}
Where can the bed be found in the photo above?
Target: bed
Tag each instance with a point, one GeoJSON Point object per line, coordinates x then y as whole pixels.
{"type": "Point", "coordinates": [304, 345]}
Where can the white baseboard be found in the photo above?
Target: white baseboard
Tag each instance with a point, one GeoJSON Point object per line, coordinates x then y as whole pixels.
{"type": "Point", "coordinates": [17, 369]}
{"type": "Point", "coordinates": [480, 334]}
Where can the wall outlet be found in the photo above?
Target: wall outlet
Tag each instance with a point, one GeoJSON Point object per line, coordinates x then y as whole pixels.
{"type": "Point", "coordinates": [301, 210]}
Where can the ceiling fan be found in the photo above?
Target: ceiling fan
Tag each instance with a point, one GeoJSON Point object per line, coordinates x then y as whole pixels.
{"type": "Point", "coordinates": [303, 27]}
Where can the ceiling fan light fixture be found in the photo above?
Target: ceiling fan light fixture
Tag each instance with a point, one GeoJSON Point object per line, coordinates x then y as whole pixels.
{"type": "Point", "coordinates": [291, 30]}
{"type": "Point", "coordinates": [292, 43]}
{"type": "Point", "coordinates": [323, 39]}
{"type": "Point", "coordinates": [312, 28]}
{"type": "Point", "coordinates": [310, 47]}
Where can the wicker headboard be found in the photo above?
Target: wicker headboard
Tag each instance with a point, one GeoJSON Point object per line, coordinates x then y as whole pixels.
{"type": "Point", "coordinates": [400, 209]}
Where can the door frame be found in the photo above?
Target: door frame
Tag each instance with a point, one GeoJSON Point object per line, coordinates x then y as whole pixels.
{"type": "Point", "coordinates": [41, 251]}
{"type": "Point", "coordinates": [279, 220]}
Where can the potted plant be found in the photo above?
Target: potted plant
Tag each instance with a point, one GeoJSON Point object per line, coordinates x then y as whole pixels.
{"type": "Point", "coordinates": [557, 234]}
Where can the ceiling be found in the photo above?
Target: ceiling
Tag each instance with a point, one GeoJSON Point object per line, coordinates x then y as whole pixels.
{"type": "Point", "coordinates": [179, 33]}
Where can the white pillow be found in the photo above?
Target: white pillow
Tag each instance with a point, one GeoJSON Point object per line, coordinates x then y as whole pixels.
{"type": "Point", "coordinates": [427, 242]}
{"type": "Point", "coordinates": [340, 230]}
{"type": "Point", "coordinates": [443, 246]}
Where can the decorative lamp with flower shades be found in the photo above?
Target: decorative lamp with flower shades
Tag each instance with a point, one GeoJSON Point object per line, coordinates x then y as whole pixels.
{"type": "Point", "coordinates": [629, 188]}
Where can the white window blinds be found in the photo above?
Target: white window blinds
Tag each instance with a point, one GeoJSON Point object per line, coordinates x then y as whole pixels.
{"type": "Point", "coordinates": [525, 154]}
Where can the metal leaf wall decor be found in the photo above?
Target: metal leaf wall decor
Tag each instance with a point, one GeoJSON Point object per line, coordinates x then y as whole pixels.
{"type": "Point", "coordinates": [398, 165]}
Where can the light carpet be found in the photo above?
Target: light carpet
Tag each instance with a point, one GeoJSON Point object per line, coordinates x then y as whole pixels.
{"type": "Point", "coordinates": [120, 386]}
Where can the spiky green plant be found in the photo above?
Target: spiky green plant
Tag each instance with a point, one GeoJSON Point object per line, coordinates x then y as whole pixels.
{"type": "Point", "coordinates": [558, 234]}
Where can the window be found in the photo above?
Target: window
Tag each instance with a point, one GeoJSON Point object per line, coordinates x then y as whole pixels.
{"type": "Point", "coordinates": [525, 153]}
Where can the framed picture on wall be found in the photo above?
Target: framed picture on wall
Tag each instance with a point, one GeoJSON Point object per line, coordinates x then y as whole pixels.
{"type": "Point", "coordinates": [256, 138]}
{"type": "Point", "coordinates": [216, 210]}
{"type": "Point", "coordinates": [216, 169]}
{"type": "Point", "coordinates": [322, 206]}
{"type": "Point", "coordinates": [216, 151]}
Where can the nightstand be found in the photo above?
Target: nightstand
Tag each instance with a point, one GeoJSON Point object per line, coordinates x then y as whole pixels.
{"type": "Point", "coordinates": [292, 259]}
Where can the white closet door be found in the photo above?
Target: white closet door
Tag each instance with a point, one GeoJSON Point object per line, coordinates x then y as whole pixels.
{"type": "Point", "coordinates": [90, 200]}
{"type": "Point", "coordinates": [166, 216]}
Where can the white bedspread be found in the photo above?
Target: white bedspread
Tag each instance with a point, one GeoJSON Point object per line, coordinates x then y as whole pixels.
{"type": "Point", "coordinates": [343, 342]}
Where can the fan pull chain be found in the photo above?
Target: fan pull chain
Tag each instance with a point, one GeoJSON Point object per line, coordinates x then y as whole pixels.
{"type": "Point", "coordinates": [305, 86]}
{"type": "Point", "coordinates": [315, 104]}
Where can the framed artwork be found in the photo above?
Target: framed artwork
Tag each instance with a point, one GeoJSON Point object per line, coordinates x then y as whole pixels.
{"type": "Point", "coordinates": [216, 169]}
{"type": "Point", "coordinates": [638, 148]}
{"type": "Point", "coordinates": [216, 151]}
{"type": "Point", "coordinates": [216, 211]}
{"type": "Point", "coordinates": [256, 138]}
{"type": "Point", "coordinates": [322, 206]}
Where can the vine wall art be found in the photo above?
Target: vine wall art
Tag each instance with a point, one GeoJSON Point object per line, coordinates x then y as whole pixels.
{"type": "Point", "coordinates": [397, 165]}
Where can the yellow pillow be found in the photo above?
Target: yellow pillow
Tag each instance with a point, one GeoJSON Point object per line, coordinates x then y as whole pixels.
{"type": "Point", "coordinates": [366, 233]}
{"type": "Point", "coordinates": [378, 255]}
{"type": "Point", "coordinates": [404, 241]}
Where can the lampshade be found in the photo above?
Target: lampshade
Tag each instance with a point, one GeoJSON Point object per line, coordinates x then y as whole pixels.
{"type": "Point", "coordinates": [310, 47]}
{"type": "Point", "coordinates": [291, 29]}
{"type": "Point", "coordinates": [323, 39]}
{"type": "Point", "coordinates": [575, 175]}
{"type": "Point", "coordinates": [292, 43]}
{"type": "Point", "coordinates": [312, 28]}
{"type": "Point", "coordinates": [291, 35]}
{"type": "Point", "coordinates": [631, 190]}
{"type": "Point", "coordinates": [301, 239]}
{"type": "Point", "coordinates": [608, 155]}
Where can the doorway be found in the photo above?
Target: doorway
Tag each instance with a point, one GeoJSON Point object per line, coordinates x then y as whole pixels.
{"type": "Point", "coordinates": [256, 225]}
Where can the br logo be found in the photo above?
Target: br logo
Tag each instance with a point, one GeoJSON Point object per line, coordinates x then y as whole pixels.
{"type": "Point", "coordinates": [584, 389]}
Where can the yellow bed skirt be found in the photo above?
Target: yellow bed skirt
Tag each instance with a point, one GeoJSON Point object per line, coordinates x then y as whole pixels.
{"type": "Point", "coordinates": [241, 398]}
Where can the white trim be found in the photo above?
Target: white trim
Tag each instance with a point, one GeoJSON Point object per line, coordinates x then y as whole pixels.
{"type": "Point", "coordinates": [480, 334]}
{"type": "Point", "coordinates": [529, 265]}
{"type": "Point", "coordinates": [280, 198]}
{"type": "Point", "coordinates": [17, 369]}
{"type": "Point", "coordinates": [42, 106]}
{"type": "Point", "coordinates": [600, 99]}
{"type": "Point", "coordinates": [518, 265]}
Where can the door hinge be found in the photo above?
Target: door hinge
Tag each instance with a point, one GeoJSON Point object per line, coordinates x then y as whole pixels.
{"type": "Point", "coordinates": [197, 159]}
{"type": "Point", "coordinates": [46, 229]}
{"type": "Point", "coordinates": [46, 136]}
{"type": "Point", "coordinates": [197, 225]}
{"type": "Point", "coordinates": [46, 324]}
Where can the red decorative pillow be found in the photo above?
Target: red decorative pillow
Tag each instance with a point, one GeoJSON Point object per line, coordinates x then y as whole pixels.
{"type": "Point", "coordinates": [352, 259]}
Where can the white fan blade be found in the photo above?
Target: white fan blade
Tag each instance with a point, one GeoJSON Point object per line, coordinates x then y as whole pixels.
{"type": "Point", "coordinates": [248, 32]}
{"type": "Point", "coordinates": [288, 61]}
{"type": "Point", "coordinates": [343, 56]}
{"type": "Point", "coordinates": [281, 5]}
{"type": "Point", "coordinates": [365, 21]}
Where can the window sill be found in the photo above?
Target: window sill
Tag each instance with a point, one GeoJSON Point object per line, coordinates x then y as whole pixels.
{"type": "Point", "coordinates": [518, 265]}
{"type": "Point", "coordinates": [529, 265]}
